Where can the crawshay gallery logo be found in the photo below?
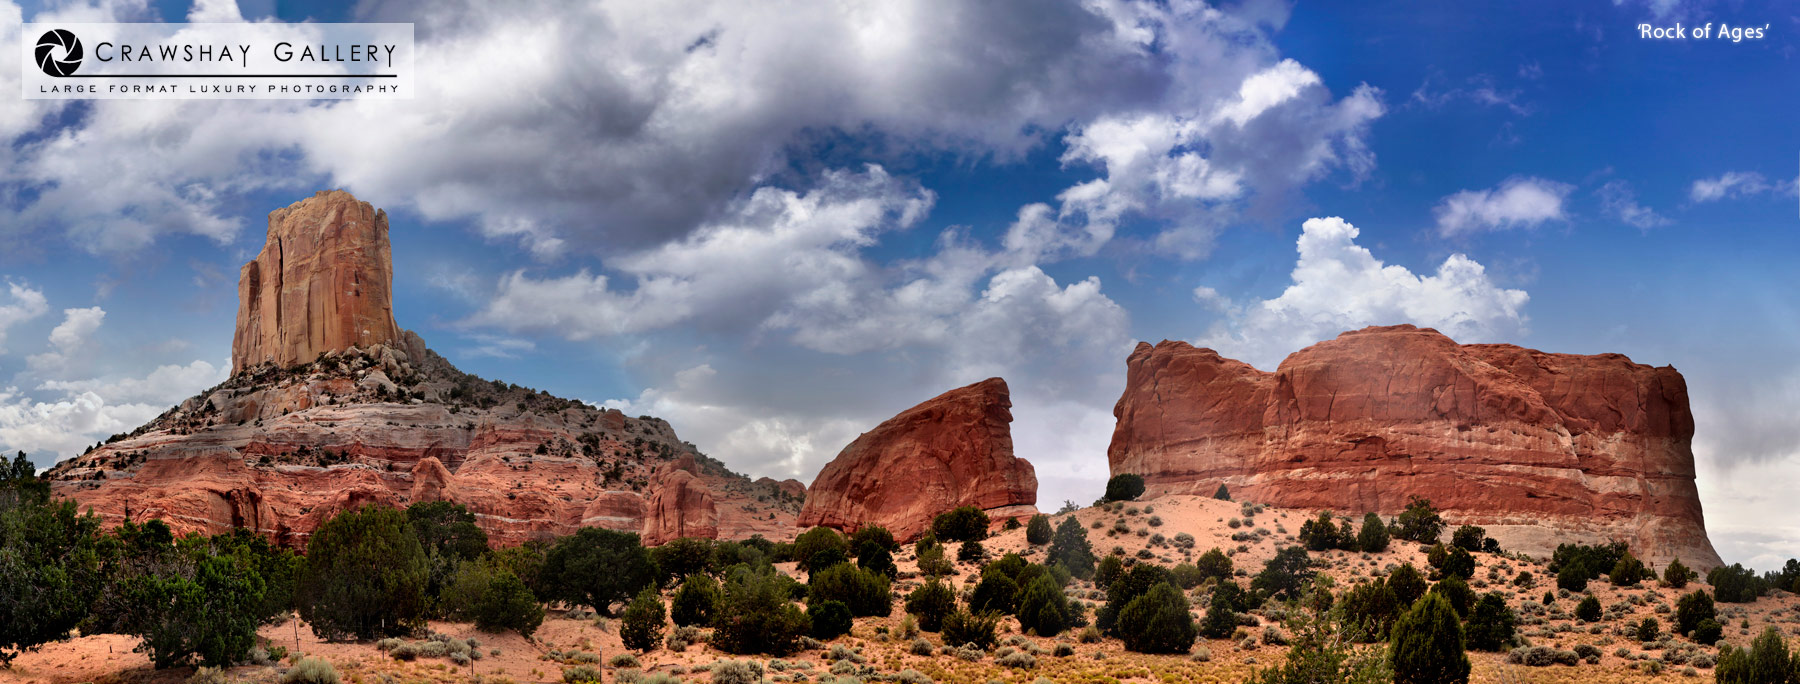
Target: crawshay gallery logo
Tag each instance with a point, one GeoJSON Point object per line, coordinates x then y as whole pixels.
{"type": "Point", "coordinates": [59, 52]}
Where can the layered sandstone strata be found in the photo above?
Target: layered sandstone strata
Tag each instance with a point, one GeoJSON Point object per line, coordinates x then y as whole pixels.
{"type": "Point", "coordinates": [1539, 448]}
{"type": "Point", "coordinates": [953, 450]}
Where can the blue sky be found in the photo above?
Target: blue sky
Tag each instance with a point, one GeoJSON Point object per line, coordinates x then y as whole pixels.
{"type": "Point", "coordinates": [823, 214]}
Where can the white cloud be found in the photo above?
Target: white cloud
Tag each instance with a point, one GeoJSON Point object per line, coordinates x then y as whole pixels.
{"type": "Point", "coordinates": [1618, 200]}
{"type": "Point", "coordinates": [1661, 9]}
{"type": "Point", "coordinates": [1339, 285]}
{"type": "Point", "coordinates": [164, 386]}
{"type": "Point", "coordinates": [88, 411]}
{"type": "Point", "coordinates": [69, 340]}
{"type": "Point", "coordinates": [23, 304]}
{"type": "Point", "coordinates": [1736, 184]}
{"type": "Point", "coordinates": [1518, 202]}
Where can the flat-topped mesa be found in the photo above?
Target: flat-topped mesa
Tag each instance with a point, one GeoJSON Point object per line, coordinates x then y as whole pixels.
{"type": "Point", "coordinates": [953, 450]}
{"type": "Point", "coordinates": [323, 282]}
{"type": "Point", "coordinates": [1539, 448]}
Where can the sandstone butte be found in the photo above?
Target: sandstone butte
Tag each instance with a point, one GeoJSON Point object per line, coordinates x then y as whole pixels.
{"type": "Point", "coordinates": [953, 450]}
{"type": "Point", "coordinates": [331, 406]}
{"type": "Point", "coordinates": [1538, 448]}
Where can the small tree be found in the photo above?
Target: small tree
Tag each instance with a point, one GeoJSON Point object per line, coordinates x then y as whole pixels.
{"type": "Point", "coordinates": [875, 558]}
{"type": "Point", "coordinates": [1420, 522]}
{"type": "Point", "coordinates": [1459, 563]}
{"type": "Point", "coordinates": [1221, 618]}
{"type": "Point", "coordinates": [830, 619]}
{"type": "Point", "coordinates": [51, 564]}
{"type": "Point", "coordinates": [971, 552]}
{"type": "Point", "coordinates": [490, 595]}
{"type": "Point", "coordinates": [820, 548]}
{"type": "Point", "coordinates": [1427, 645]}
{"type": "Point", "coordinates": [930, 603]}
{"type": "Point", "coordinates": [996, 593]}
{"type": "Point", "coordinates": [642, 626]}
{"type": "Point", "coordinates": [873, 533]}
{"type": "Point", "coordinates": [1368, 611]}
{"type": "Point", "coordinates": [1222, 494]}
{"type": "Point", "coordinates": [1572, 578]}
{"type": "Point", "coordinates": [696, 602]}
{"type": "Point", "coordinates": [449, 535]}
{"type": "Point", "coordinates": [1374, 535]}
{"type": "Point", "coordinates": [1158, 622]}
{"type": "Point", "coordinates": [597, 567]}
{"type": "Point", "coordinates": [1629, 571]}
{"type": "Point", "coordinates": [756, 615]}
{"type": "Point", "coordinates": [678, 558]}
{"type": "Point", "coordinates": [1127, 588]}
{"type": "Point", "coordinates": [1492, 623]}
{"type": "Point", "coordinates": [1407, 583]}
{"type": "Point", "coordinates": [1589, 609]}
{"type": "Point", "coordinates": [1108, 570]}
{"type": "Point", "coordinates": [1468, 538]}
{"type": "Point", "coordinates": [1648, 630]}
{"type": "Point", "coordinates": [963, 627]}
{"type": "Point", "coordinates": [864, 593]}
{"type": "Point", "coordinates": [963, 523]}
{"type": "Point", "coordinates": [1043, 609]}
{"type": "Point", "coordinates": [1735, 584]}
{"type": "Point", "coordinates": [365, 576]}
{"type": "Point", "coordinates": [1457, 592]}
{"type": "Point", "coordinates": [1708, 632]}
{"type": "Point", "coordinates": [1069, 548]}
{"type": "Point", "coordinates": [1692, 609]}
{"type": "Point", "coordinates": [1767, 661]}
{"type": "Point", "coordinates": [1284, 574]}
{"type": "Point", "coordinates": [1678, 575]}
{"type": "Point", "coordinates": [1037, 532]}
{"type": "Point", "coordinates": [1125, 487]}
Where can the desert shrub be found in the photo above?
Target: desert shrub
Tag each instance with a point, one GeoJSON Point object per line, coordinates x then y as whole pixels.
{"type": "Point", "coordinates": [820, 548]}
{"type": "Point", "coordinates": [1017, 659]}
{"type": "Point", "coordinates": [1221, 618]}
{"type": "Point", "coordinates": [971, 552]}
{"type": "Point", "coordinates": [963, 627]}
{"type": "Point", "coordinates": [678, 558]}
{"type": "Point", "coordinates": [490, 595]}
{"type": "Point", "coordinates": [755, 614]}
{"type": "Point", "coordinates": [874, 557]}
{"type": "Point", "coordinates": [1691, 609]}
{"type": "Point", "coordinates": [830, 619]}
{"type": "Point", "coordinates": [696, 601]}
{"type": "Point", "coordinates": [1491, 624]}
{"type": "Point", "coordinates": [911, 676]}
{"type": "Point", "coordinates": [933, 563]}
{"type": "Point", "coordinates": [1069, 548]}
{"type": "Point", "coordinates": [1577, 564]}
{"type": "Point", "coordinates": [1186, 575]}
{"type": "Point", "coordinates": [1427, 645]}
{"type": "Point", "coordinates": [931, 603]}
{"type": "Point", "coordinates": [1374, 535]}
{"type": "Point", "coordinates": [1735, 584]}
{"type": "Point", "coordinates": [1157, 621]}
{"type": "Point", "coordinates": [995, 593]}
{"type": "Point", "coordinates": [642, 625]}
{"type": "Point", "coordinates": [873, 533]}
{"type": "Point", "coordinates": [311, 670]}
{"type": "Point", "coordinates": [596, 568]}
{"type": "Point", "coordinates": [1420, 522]}
{"type": "Point", "coordinates": [199, 596]}
{"type": "Point", "coordinates": [1678, 575]}
{"type": "Point", "coordinates": [1708, 632]}
{"type": "Point", "coordinates": [963, 523]}
{"type": "Point", "coordinates": [1572, 578]}
{"type": "Point", "coordinates": [1368, 611]}
{"type": "Point", "coordinates": [1588, 609]}
{"type": "Point", "coordinates": [1321, 534]}
{"type": "Point", "coordinates": [1628, 571]}
{"type": "Point", "coordinates": [1037, 532]}
{"type": "Point", "coordinates": [736, 672]}
{"type": "Point", "coordinates": [581, 674]}
{"type": "Point", "coordinates": [865, 593]}
{"type": "Point", "coordinates": [365, 575]}
{"type": "Point", "coordinates": [1108, 570]}
{"type": "Point", "coordinates": [921, 647]}
{"type": "Point", "coordinates": [1214, 564]}
{"type": "Point", "coordinates": [1128, 587]}
{"type": "Point", "coordinates": [1457, 592]}
{"type": "Point", "coordinates": [1125, 487]}
{"type": "Point", "coordinates": [624, 660]}
{"type": "Point", "coordinates": [1767, 661]}
{"type": "Point", "coordinates": [1458, 563]}
{"type": "Point", "coordinates": [450, 537]}
{"type": "Point", "coordinates": [1285, 574]}
{"type": "Point", "coordinates": [1647, 631]}
{"type": "Point", "coordinates": [1043, 608]}
{"type": "Point", "coordinates": [1468, 538]}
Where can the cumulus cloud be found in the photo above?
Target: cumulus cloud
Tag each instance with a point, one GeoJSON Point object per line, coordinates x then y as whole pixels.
{"type": "Point", "coordinates": [1736, 184]}
{"type": "Point", "coordinates": [1619, 201]}
{"type": "Point", "coordinates": [1339, 285]}
{"type": "Point", "coordinates": [22, 304]}
{"type": "Point", "coordinates": [1518, 202]}
{"type": "Point", "coordinates": [80, 413]}
{"type": "Point", "coordinates": [68, 340]}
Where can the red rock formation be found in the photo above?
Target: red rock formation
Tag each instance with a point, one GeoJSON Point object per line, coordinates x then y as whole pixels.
{"type": "Point", "coordinates": [331, 406]}
{"type": "Point", "coordinates": [954, 450]}
{"type": "Point", "coordinates": [323, 282]}
{"type": "Point", "coordinates": [1539, 448]}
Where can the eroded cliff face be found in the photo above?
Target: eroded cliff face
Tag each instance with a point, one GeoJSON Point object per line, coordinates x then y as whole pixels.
{"type": "Point", "coordinates": [1539, 448]}
{"type": "Point", "coordinates": [953, 450]}
{"type": "Point", "coordinates": [331, 405]}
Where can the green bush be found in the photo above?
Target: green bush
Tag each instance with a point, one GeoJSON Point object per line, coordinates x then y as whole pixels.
{"type": "Point", "coordinates": [1691, 609]}
{"type": "Point", "coordinates": [1585, 562]}
{"type": "Point", "coordinates": [874, 557]}
{"type": "Point", "coordinates": [756, 615]}
{"type": "Point", "coordinates": [1368, 611]}
{"type": "Point", "coordinates": [311, 670]}
{"type": "Point", "coordinates": [696, 601]}
{"type": "Point", "coordinates": [1157, 622]}
{"type": "Point", "coordinates": [1186, 576]}
{"type": "Point", "coordinates": [1037, 532]}
{"type": "Point", "coordinates": [931, 603]}
{"type": "Point", "coordinates": [1214, 564]}
{"type": "Point", "coordinates": [1044, 609]}
{"type": "Point", "coordinates": [1427, 645]}
{"type": "Point", "coordinates": [1108, 570]}
{"type": "Point", "coordinates": [1408, 585]}
{"type": "Point", "coordinates": [1221, 493]}
{"type": "Point", "coordinates": [596, 568]}
{"type": "Point", "coordinates": [996, 593]}
{"type": "Point", "coordinates": [1767, 661]}
{"type": "Point", "coordinates": [1708, 632]}
{"type": "Point", "coordinates": [507, 604]}
{"type": "Point", "coordinates": [1127, 588]}
{"type": "Point", "coordinates": [279, 569]}
{"type": "Point", "coordinates": [1374, 535]}
{"type": "Point", "coordinates": [737, 672]}
{"type": "Point", "coordinates": [365, 575]}
{"type": "Point", "coordinates": [1628, 571]}
{"type": "Point", "coordinates": [963, 523]}
{"type": "Point", "coordinates": [1458, 563]}
{"type": "Point", "coordinates": [1468, 538]}
{"type": "Point", "coordinates": [873, 533]}
{"type": "Point", "coordinates": [581, 674]}
{"type": "Point", "coordinates": [1420, 522]}
{"type": "Point", "coordinates": [1589, 609]}
{"type": "Point", "coordinates": [1492, 624]}
{"type": "Point", "coordinates": [642, 626]}
{"type": "Point", "coordinates": [962, 627]}
{"type": "Point", "coordinates": [678, 558]}
{"type": "Point", "coordinates": [1572, 578]}
{"type": "Point", "coordinates": [1648, 630]}
{"type": "Point", "coordinates": [865, 593]}
{"type": "Point", "coordinates": [1069, 548]}
{"type": "Point", "coordinates": [1678, 575]}
{"type": "Point", "coordinates": [1457, 592]}
{"type": "Point", "coordinates": [830, 619]}
{"type": "Point", "coordinates": [820, 548]}
{"type": "Point", "coordinates": [1735, 584]}
{"type": "Point", "coordinates": [1285, 574]}
{"type": "Point", "coordinates": [197, 597]}
{"type": "Point", "coordinates": [1221, 618]}
{"type": "Point", "coordinates": [449, 535]}
{"type": "Point", "coordinates": [1125, 487]}
{"type": "Point", "coordinates": [971, 552]}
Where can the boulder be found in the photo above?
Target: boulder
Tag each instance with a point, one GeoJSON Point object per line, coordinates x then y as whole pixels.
{"type": "Point", "coordinates": [1539, 448]}
{"type": "Point", "coordinates": [953, 450]}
